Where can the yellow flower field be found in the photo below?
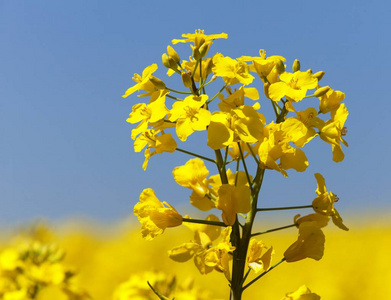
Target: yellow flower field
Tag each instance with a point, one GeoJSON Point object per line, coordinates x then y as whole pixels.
{"type": "Point", "coordinates": [355, 264]}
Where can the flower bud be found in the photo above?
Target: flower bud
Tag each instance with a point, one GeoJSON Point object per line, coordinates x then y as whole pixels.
{"type": "Point", "coordinates": [319, 75]}
{"type": "Point", "coordinates": [204, 49]}
{"type": "Point", "coordinates": [157, 82]}
{"type": "Point", "coordinates": [171, 52]}
{"type": "Point", "coordinates": [321, 91]}
{"type": "Point", "coordinates": [165, 61]}
{"type": "Point", "coordinates": [186, 79]}
{"type": "Point", "coordinates": [196, 53]}
{"type": "Point", "coordinates": [280, 67]}
{"type": "Point", "coordinates": [296, 65]}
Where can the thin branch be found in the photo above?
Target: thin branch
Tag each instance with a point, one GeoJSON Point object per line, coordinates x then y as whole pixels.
{"type": "Point", "coordinates": [215, 223]}
{"type": "Point", "coordinates": [274, 229]}
{"type": "Point", "coordinates": [284, 208]}
{"type": "Point", "coordinates": [196, 155]}
{"type": "Point", "coordinates": [263, 274]}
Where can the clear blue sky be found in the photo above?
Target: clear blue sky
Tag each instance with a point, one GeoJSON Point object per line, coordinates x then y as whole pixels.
{"type": "Point", "coordinates": [65, 148]}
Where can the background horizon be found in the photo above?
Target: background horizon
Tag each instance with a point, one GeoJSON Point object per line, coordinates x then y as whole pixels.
{"type": "Point", "coordinates": [65, 143]}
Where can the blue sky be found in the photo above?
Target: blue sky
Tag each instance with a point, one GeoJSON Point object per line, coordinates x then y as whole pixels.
{"type": "Point", "coordinates": [65, 146]}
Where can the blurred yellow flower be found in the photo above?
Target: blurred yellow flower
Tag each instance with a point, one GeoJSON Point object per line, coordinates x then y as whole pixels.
{"type": "Point", "coordinates": [303, 293]}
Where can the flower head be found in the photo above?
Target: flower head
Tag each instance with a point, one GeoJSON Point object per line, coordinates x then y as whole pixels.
{"type": "Point", "coordinates": [155, 216]}
{"type": "Point", "coordinates": [142, 82]}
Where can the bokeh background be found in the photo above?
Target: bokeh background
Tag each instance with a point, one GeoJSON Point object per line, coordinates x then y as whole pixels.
{"type": "Point", "coordinates": [66, 152]}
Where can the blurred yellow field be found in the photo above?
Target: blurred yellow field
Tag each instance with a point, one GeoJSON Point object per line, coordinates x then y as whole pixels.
{"type": "Point", "coordinates": [356, 264]}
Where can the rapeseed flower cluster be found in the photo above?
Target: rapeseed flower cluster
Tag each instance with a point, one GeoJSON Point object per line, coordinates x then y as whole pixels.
{"type": "Point", "coordinates": [238, 134]}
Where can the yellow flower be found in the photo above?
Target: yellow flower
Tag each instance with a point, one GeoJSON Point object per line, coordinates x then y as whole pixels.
{"type": "Point", "coordinates": [202, 42]}
{"type": "Point", "coordinates": [231, 70]}
{"type": "Point", "coordinates": [275, 146]}
{"type": "Point", "coordinates": [220, 256]}
{"type": "Point", "coordinates": [142, 81]}
{"type": "Point", "coordinates": [242, 123]}
{"type": "Point", "coordinates": [310, 243]}
{"type": "Point", "coordinates": [148, 113]}
{"type": "Point", "coordinates": [303, 293]}
{"type": "Point", "coordinates": [161, 143]}
{"type": "Point", "coordinates": [193, 176]}
{"type": "Point", "coordinates": [255, 261]}
{"type": "Point", "coordinates": [232, 200]}
{"type": "Point", "coordinates": [206, 66]}
{"type": "Point", "coordinates": [300, 130]}
{"type": "Point", "coordinates": [330, 101]}
{"type": "Point", "coordinates": [197, 249]}
{"type": "Point", "coordinates": [199, 37]}
{"type": "Point", "coordinates": [154, 216]}
{"type": "Point", "coordinates": [236, 99]}
{"type": "Point", "coordinates": [190, 116]}
{"type": "Point", "coordinates": [324, 203]}
{"type": "Point", "coordinates": [9, 259]}
{"type": "Point", "coordinates": [333, 131]}
{"type": "Point", "coordinates": [292, 85]}
{"type": "Point", "coordinates": [265, 67]}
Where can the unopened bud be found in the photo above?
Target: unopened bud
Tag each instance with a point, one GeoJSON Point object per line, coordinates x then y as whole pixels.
{"type": "Point", "coordinates": [204, 49]}
{"type": "Point", "coordinates": [321, 91]}
{"type": "Point", "coordinates": [171, 52]}
{"type": "Point", "coordinates": [186, 79]}
{"type": "Point", "coordinates": [280, 67]}
{"type": "Point", "coordinates": [319, 75]}
{"type": "Point", "coordinates": [173, 64]}
{"type": "Point", "coordinates": [165, 61]}
{"type": "Point", "coordinates": [157, 82]}
{"type": "Point", "coordinates": [296, 65]}
{"type": "Point", "coordinates": [196, 53]}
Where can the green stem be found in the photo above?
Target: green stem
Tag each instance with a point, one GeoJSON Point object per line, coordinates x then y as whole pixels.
{"type": "Point", "coordinates": [218, 93]}
{"type": "Point", "coordinates": [204, 85]}
{"type": "Point", "coordinates": [161, 297]}
{"type": "Point", "coordinates": [195, 69]}
{"type": "Point", "coordinates": [177, 99]}
{"type": "Point", "coordinates": [274, 107]}
{"type": "Point", "coordinates": [179, 92]}
{"type": "Point", "coordinates": [284, 208]}
{"type": "Point", "coordinates": [263, 274]}
{"type": "Point", "coordinates": [239, 261]}
{"type": "Point", "coordinates": [252, 153]}
{"type": "Point", "coordinates": [204, 222]}
{"type": "Point", "coordinates": [274, 229]}
{"type": "Point", "coordinates": [196, 155]}
{"type": "Point", "coordinates": [245, 168]}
